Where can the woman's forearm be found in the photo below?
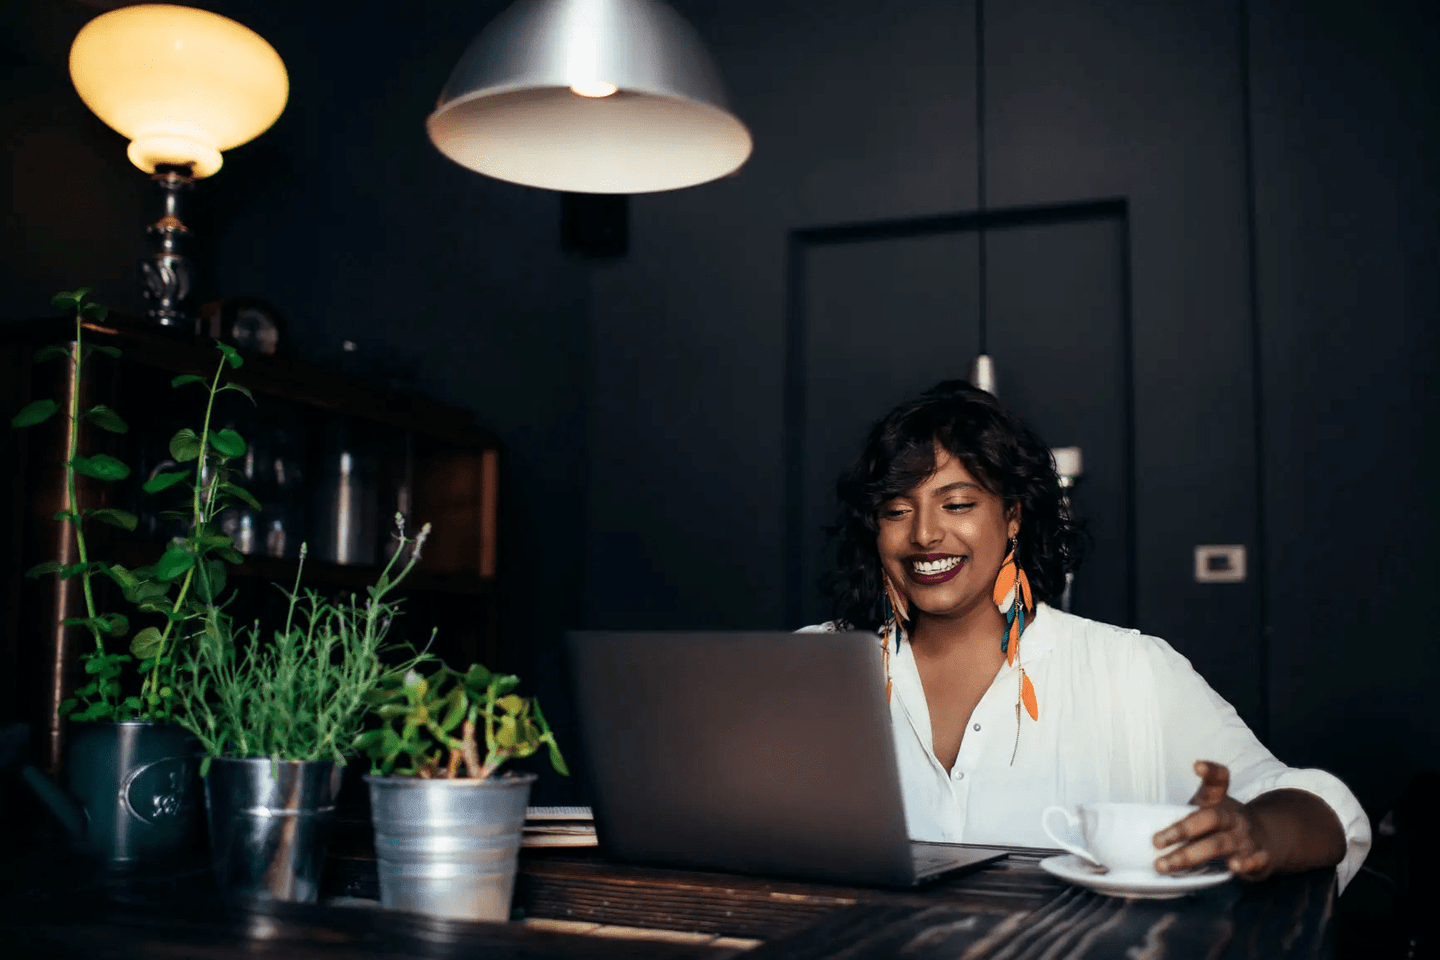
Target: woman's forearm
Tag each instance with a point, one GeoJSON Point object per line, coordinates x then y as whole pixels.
{"type": "Point", "coordinates": [1301, 831]}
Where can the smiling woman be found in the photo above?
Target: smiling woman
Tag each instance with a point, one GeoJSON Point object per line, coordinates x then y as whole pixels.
{"type": "Point", "coordinates": [952, 537]}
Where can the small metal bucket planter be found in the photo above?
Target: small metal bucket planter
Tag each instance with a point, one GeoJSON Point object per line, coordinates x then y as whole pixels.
{"type": "Point", "coordinates": [270, 822]}
{"type": "Point", "coordinates": [448, 848]}
{"type": "Point", "coordinates": [139, 786]}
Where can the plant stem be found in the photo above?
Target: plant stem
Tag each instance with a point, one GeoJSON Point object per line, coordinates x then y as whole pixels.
{"type": "Point", "coordinates": [73, 506]}
{"type": "Point", "coordinates": [199, 521]}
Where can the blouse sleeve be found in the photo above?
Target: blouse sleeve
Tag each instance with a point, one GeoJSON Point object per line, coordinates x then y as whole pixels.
{"type": "Point", "coordinates": [1198, 724]}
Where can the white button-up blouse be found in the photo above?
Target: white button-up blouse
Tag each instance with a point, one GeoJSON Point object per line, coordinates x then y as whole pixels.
{"type": "Point", "coordinates": [1123, 717]}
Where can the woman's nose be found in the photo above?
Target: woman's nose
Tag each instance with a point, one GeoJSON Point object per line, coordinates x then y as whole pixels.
{"type": "Point", "coordinates": [924, 531]}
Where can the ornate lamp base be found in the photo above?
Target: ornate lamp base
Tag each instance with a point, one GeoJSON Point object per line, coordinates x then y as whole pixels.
{"type": "Point", "coordinates": [166, 274]}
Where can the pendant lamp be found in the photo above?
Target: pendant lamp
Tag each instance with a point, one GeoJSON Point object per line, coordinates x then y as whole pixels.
{"type": "Point", "coordinates": [589, 96]}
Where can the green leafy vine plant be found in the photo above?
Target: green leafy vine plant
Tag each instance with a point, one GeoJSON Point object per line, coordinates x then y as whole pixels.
{"type": "Point", "coordinates": [196, 560]}
{"type": "Point", "coordinates": [193, 560]}
{"type": "Point", "coordinates": [102, 694]}
{"type": "Point", "coordinates": [432, 725]}
{"type": "Point", "coordinates": [303, 695]}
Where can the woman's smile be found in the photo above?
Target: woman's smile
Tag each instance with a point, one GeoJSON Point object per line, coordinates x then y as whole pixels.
{"type": "Point", "coordinates": [933, 568]}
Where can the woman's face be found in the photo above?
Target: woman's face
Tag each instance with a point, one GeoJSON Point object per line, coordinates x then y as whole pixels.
{"type": "Point", "coordinates": [943, 541]}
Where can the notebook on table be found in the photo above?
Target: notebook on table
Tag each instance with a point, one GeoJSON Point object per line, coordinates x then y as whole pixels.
{"type": "Point", "coordinates": [756, 752]}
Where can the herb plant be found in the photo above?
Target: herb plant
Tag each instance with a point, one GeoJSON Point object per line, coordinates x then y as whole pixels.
{"type": "Point", "coordinates": [301, 695]}
{"type": "Point", "coordinates": [431, 725]}
{"type": "Point", "coordinates": [192, 561]}
{"type": "Point", "coordinates": [102, 695]}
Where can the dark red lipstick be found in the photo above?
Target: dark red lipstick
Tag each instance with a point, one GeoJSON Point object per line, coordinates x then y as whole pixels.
{"type": "Point", "coordinates": [932, 579]}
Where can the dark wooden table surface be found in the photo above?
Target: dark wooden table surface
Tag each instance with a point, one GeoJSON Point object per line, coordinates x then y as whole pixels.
{"type": "Point", "coordinates": [575, 904]}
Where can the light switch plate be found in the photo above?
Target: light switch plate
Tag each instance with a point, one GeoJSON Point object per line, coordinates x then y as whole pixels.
{"type": "Point", "coordinates": [1220, 563]}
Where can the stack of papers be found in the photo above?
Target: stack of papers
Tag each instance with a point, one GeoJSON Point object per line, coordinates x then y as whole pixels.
{"type": "Point", "coordinates": [559, 827]}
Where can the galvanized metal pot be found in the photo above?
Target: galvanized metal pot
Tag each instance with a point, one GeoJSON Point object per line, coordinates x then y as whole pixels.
{"type": "Point", "coordinates": [448, 848]}
{"type": "Point", "coordinates": [139, 786]}
{"type": "Point", "coordinates": [270, 822]}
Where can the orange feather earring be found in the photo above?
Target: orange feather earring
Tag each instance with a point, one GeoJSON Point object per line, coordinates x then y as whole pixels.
{"type": "Point", "coordinates": [1014, 598]}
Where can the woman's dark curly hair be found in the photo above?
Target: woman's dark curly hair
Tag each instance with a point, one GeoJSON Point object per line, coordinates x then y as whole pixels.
{"type": "Point", "coordinates": [995, 447]}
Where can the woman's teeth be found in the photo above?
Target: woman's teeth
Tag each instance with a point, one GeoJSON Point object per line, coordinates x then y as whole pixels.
{"type": "Point", "coordinates": [929, 568]}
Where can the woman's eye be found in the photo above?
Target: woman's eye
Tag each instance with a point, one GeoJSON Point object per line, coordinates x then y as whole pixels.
{"type": "Point", "coordinates": [958, 507]}
{"type": "Point", "coordinates": [891, 513]}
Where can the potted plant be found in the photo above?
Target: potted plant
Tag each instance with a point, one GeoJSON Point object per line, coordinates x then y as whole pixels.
{"type": "Point", "coordinates": [448, 823]}
{"type": "Point", "coordinates": [276, 715]}
{"type": "Point", "coordinates": [130, 768]}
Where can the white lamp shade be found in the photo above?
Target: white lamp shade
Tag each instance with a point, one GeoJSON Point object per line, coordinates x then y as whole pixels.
{"type": "Point", "coordinates": [182, 84]}
{"type": "Point", "coordinates": [511, 110]}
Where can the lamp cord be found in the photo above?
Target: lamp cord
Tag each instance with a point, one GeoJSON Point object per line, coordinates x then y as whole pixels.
{"type": "Point", "coordinates": [980, 163]}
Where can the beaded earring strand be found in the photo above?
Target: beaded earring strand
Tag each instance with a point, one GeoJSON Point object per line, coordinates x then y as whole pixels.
{"type": "Point", "coordinates": [1013, 597]}
{"type": "Point", "coordinates": [896, 610]}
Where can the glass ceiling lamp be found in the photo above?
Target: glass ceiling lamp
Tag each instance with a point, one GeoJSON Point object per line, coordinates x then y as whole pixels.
{"type": "Point", "coordinates": [589, 96]}
{"type": "Point", "coordinates": [182, 85]}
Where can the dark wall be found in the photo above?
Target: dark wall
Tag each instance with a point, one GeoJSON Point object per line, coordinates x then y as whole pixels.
{"type": "Point", "coordinates": [1301, 429]}
{"type": "Point", "coordinates": [1347, 228]}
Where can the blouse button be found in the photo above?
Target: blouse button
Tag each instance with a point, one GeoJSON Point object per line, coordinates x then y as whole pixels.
{"type": "Point", "coordinates": [977, 727]}
{"type": "Point", "coordinates": [959, 774]}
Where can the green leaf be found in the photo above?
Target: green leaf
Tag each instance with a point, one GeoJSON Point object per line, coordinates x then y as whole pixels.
{"type": "Point", "coordinates": [511, 704]}
{"type": "Point", "coordinates": [131, 703]}
{"type": "Point", "coordinates": [231, 357]}
{"type": "Point", "coordinates": [230, 555]}
{"type": "Point", "coordinates": [117, 624]}
{"type": "Point", "coordinates": [369, 740]}
{"type": "Point", "coordinates": [240, 493]}
{"type": "Point", "coordinates": [96, 711]}
{"type": "Point", "coordinates": [212, 584]}
{"type": "Point", "coordinates": [162, 481]}
{"type": "Point", "coordinates": [102, 466]}
{"type": "Point", "coordinates": [185, 445]}
{"type": "Point", "coordinates": [505, 732]}
{"type": "Point", "coordinates": [94, 311]}
{"type": "Point", "coordinates": [146, 644]}
{"type": "Point", "coordinates": [211, 541]}
{"type": "Point", "coordinates": [94, 664]}
{"type": "Point", "coordinates": [237, 387]}
{"type": "Point", "coordinates": [557, 761]}
{"type": "Point", "coordinates": [174, 562]}
{"type": "Point", "coordinates": [63, 515]}
{"type": "Point", "coordinates": [477, 677]}
{"type": "Point", "coordinates": [106, 419]}
{"type": "Point", "coordinates": [40, 569]}
{"type": "Point", "coordinates": [67, 705]}
{"type": "Point", "coordinates": [116, 518]}
{"type": "Point", "coordinates": [108, 351]}
{"type": "Point", "coordinates": [37, 411]}
{"type": "Point", "coordinates": [67, 299]}
{"type": "Point", "coordinates": [228, 442]}
{"type": "Point", "coordinates": [505, 684]}
{"type": "Point", "coordinates": [53, 352]}
{"type": "Point", "coordinates": [120, 575]}
{"type": "Point", "coordinates": [185, 378]}
{"type": "Point", "coordinates": [455, 712]}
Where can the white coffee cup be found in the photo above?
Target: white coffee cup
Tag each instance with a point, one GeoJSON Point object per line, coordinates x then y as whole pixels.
{"type": "Point", "coordinates": [1121, 836]}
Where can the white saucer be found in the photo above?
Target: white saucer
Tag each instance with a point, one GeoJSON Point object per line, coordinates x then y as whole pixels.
{"type": "Point", "coordinates": [1138, 885]}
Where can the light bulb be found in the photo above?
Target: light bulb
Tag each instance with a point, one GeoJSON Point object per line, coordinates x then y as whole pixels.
{"type": "Point", "coordinates": [594, 88]}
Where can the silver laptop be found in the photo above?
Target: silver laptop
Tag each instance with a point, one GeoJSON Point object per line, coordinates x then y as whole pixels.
{"type": "Point", "coordinates": [759, 752]}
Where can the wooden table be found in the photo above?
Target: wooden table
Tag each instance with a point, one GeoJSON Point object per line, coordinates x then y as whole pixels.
{"type": "Point", "coordinates": [577, 905]}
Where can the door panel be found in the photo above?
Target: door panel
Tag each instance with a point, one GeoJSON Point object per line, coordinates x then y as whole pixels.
{"type": "Point", "coordinates": [883, 318]}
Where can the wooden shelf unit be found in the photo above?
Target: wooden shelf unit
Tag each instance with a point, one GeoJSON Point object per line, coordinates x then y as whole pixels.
{"type": "Point", "coordinates": [430, 455]}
